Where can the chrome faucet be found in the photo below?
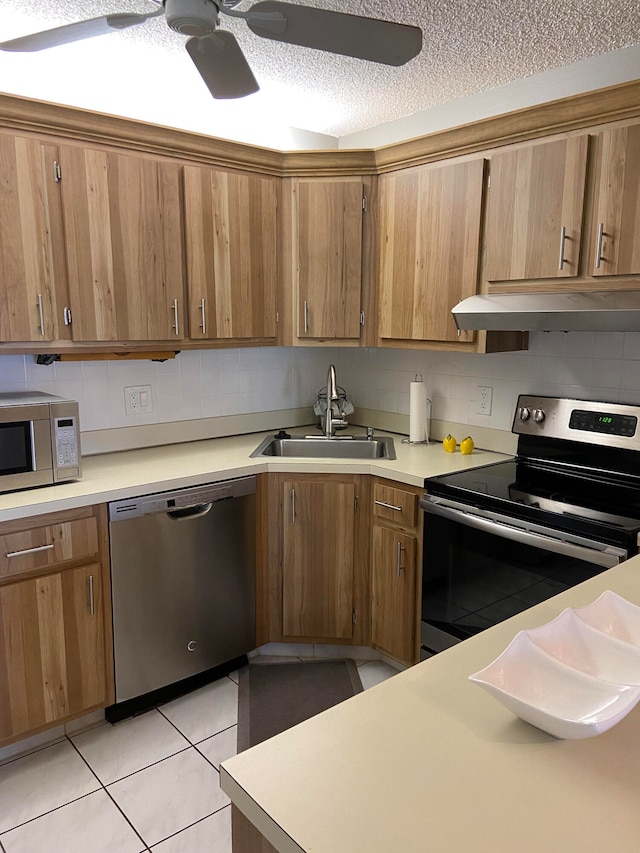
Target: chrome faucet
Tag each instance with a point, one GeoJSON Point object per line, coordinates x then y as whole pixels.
{"type": "Point", "coordinates": [330, 423]}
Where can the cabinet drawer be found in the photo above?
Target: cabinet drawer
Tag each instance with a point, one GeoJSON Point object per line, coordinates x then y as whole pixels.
{"type": "Point", "coordinates": [41, 547]}
{"type": "Point", "coordinates": [395, 505]}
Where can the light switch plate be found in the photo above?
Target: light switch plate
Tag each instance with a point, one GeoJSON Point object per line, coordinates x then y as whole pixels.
{"type": "Point", "coordinates": [137, 400]}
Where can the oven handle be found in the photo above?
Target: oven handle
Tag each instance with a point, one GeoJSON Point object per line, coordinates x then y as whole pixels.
{"type": "Point", "coordinates": [609, 558]}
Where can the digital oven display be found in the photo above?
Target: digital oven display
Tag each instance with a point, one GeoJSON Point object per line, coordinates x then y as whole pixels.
{"type": "Point", "coordinates": [604, 422]}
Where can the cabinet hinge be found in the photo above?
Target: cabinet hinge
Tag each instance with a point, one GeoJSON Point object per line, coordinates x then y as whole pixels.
{"type": "Point", "coordinates": [354, 617]}
{"type": "Point", "coordinates": [355, 504]}
{"type": "Point", "coordinates": [57, 171]}
{"type": "Point", "coordinates": [364, 203]}
{"type": "Point", "coordinates": [362, 318]}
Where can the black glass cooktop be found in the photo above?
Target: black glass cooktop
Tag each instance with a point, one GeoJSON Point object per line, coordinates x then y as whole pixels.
{"type": "Point", "coordinates": [591, 504]}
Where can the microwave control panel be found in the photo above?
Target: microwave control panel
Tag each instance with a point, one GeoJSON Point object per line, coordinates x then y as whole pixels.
{"type": "Point", "coordinates": [66, 443]}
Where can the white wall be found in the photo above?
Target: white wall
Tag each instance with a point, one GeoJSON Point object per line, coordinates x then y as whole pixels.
{"type": "Point", "coordinates": [210, 383]}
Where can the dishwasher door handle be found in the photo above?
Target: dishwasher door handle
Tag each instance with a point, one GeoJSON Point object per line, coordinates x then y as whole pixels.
{"type": "Point", "coordinates": [189, 512]}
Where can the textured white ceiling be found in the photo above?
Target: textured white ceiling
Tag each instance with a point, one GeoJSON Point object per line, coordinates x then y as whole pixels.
{"type": "Point", "coordinates": [469, 46]}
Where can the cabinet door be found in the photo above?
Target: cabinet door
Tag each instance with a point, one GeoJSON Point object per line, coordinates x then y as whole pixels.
{"type": "Point", "coordinates": [327, 249]}
{"type": "Point", "coordinates": [231, 240]}
{"type": "Point", "coordinates": [393, 615]}
{"type": "Point", "coordinates": [616, 237]}
{"type": "Point", "coordinates": [318, 569]}
{"type": "Point", "coordinates": [534, 211]}
{"type": "Point", "coordinates": [30, 260]}
{"type": "Point", "coordinates": [123, 233]}
{"type": "Point", "coordinates": [52, 650]}
{"type": "Point", "coordinates": [430, 240]}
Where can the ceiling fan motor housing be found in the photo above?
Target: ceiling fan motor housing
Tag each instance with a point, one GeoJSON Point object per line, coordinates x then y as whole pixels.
{"type": "Point", "coordinates": [192, 17]}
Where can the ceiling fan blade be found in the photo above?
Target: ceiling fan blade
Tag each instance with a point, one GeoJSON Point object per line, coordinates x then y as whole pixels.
{"type": "Point", "coordinates": [222, 65]}
{"type": "Point", "coordinates": [76, 32]}
{"type": "Point", "coordinates": [337, 32]}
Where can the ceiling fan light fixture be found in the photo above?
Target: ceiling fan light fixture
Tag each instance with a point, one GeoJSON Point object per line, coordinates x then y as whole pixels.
{"type": "Point", "coordinates": [192, 17]}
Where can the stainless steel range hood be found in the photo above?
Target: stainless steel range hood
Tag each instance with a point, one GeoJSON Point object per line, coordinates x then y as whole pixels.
{"type": "Point", "coordinates": [609, 311]}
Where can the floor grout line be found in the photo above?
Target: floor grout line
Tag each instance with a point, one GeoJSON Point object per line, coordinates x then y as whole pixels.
{"type": "Point", "coordinates": [195, 823]}
{"type": "Point", "coordinates": [51, 811]}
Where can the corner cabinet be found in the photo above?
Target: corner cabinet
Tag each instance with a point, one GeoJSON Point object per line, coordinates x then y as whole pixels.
{"type": "Point", "coordinates": [430, 221]}
{"type": "Point", "coordinates": [124, 245]}
{"type": "Point", "coordinates": [314, 582]}
{"type": "Point", "coordinates": [396, 558]}
{"type": "Point", "coordinates": [231, 253]}
{"type": "Point", "coordinates": [323, 258]}
{"type": "Point", "coordinates": [534, 210]}
{"type": "Point", "coordinates": [56, 660]}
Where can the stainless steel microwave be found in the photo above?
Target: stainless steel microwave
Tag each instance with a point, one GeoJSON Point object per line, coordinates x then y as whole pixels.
{"type": "Point", "coordinates": [39, 440]}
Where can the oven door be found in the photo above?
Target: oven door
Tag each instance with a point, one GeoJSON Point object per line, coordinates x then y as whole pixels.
{"type": "Point", "coordinates": [480, 567]}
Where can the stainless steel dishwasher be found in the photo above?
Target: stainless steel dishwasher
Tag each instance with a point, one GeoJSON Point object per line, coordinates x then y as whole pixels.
{"type": "Point", "coordinates": [183, 588]}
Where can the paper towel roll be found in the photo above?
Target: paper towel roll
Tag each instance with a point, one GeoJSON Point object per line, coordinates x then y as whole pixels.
{"type": "Point", "coordinates": [418, 426]}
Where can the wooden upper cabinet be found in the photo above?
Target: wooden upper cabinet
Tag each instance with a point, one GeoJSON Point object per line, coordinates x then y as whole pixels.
{"type": "Point", "coordinates": [327, 256]}
{"type": "Point", "coordinates": [31, 258]}
{"type": "Point", "coordinates": [615, 238]}
{"type": "Point", "coordinates": [429, 249]}
{"type": "Point", "coordinates": [123, 235]}
{"type": "Point", "coordinates": [231, 252]}
{"type": "Point", "coordinates": [534, 211]}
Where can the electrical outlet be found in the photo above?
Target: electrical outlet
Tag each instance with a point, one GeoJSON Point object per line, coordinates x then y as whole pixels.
{"type": "Point", "coordinates": [485, 399]}
{"type": "Point", "coordinates": [137, 400]}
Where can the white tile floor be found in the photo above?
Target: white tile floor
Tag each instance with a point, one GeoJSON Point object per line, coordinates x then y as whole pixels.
{"type": "Point", "coordinates": [150, 783]}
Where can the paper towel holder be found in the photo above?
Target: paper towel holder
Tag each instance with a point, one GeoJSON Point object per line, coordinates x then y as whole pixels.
{"type": "Point", "coordinates": [428, 404]}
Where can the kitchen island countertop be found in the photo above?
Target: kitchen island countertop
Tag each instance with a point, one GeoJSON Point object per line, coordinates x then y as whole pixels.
{"type": "Point", "coordinates": [127, 474]}
{"type": "Point", "coordinates": [428, 761]}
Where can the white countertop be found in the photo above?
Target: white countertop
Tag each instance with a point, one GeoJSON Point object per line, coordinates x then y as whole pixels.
{"type": "Point", "coordinates": [428, 761]}
{"type": "Point", "coordinates": [138, 472]}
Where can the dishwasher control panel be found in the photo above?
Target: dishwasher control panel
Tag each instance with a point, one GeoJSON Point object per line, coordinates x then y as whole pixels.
{"type": "Point", "coordinates": [181, 498]}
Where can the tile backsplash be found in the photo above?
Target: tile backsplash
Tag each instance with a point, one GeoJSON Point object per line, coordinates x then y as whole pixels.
{"type": "Point", "coordinates": [212, 383]}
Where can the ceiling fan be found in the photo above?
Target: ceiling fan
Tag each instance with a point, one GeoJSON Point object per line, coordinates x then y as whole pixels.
{"type": "Point", "coordinates": [217, 54]}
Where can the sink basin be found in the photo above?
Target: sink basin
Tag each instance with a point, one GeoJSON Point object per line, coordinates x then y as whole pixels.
{"type": "Point", "coordinates": [317, 447]}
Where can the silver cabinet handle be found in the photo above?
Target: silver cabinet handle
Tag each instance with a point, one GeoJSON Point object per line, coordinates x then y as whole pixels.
{"type": "Point", "coordinates": [293, 506]}
{"type": "Point", "coordinates": [563, 237]}
{"type": "Point", "coordinates": [599, 245]}
{"type": "Point", "coordinates": [176, 324]}
{"type": "Point", "coordinates": [28, 551]}
{"type": "Point", "coordinates": [399, 566]}
{"type": "Point", "coordinates": [41, 314]}
{"type": "Point", "coordinates": [66, 315]}
{"type": "Point", "coordinates": [388, 506]}
{"type": "Point", "coordinates": [306, 316]}
{"type": "Point", "coordinates": [203, 324]}
{"type": "Point", "coordinates": [92, 608]}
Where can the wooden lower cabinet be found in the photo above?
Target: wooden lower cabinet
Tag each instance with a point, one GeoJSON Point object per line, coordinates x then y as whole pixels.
{"type": "Point", "coordinates": [396, 558]}
{"type": "Point", "coordinates": [313, 578]}
{"type": "Point", "coordinates": [55, 626]}
{"type": "Point", "coordinates": [393, 592]}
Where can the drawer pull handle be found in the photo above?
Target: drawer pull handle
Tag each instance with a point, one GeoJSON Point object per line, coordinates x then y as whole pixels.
{"type": "Point", "coordinates": [388, 506]}
{"type": "Point", "coordinates": [29, 551]}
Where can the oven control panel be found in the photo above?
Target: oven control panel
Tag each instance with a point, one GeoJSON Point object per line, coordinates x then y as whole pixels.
{"type": "Point", "coordinates": [610, 424]}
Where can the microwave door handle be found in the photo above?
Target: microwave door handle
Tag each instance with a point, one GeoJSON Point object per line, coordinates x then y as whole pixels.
{"type": "Point", "coordinates": [32, 436]}
{"type": "Point", "coordinates": [526, 537]}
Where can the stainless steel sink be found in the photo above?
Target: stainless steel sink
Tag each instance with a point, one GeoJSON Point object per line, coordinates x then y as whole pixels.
{"type": "Point", "coordinates": [317, 447]}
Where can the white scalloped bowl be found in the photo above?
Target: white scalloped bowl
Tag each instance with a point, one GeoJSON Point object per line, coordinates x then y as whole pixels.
{"type": "Point", "coordinates": [613, 615]}
{"type": "Point", "coordinates": [566, 678]}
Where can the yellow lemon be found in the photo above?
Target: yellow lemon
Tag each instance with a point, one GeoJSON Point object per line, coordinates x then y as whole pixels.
{"type": "Point", "coordinates": [467, 445]}
{"type": "Point", "coordinates": [449, 444]}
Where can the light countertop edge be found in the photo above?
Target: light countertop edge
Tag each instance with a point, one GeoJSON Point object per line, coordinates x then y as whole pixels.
{"type": "Point", "coordinates": [427, 760]}
{"type": "Point", "coordinates": [132, 473]}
